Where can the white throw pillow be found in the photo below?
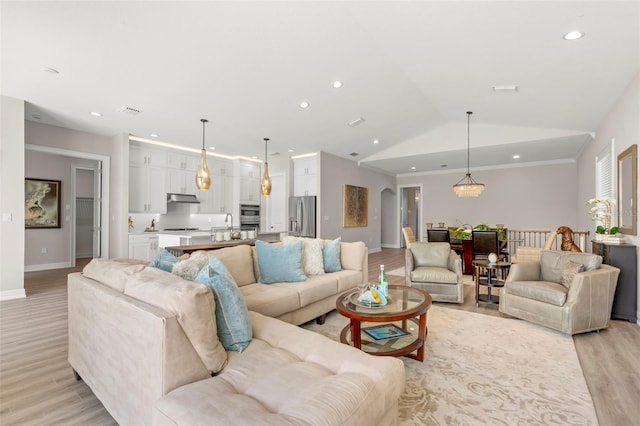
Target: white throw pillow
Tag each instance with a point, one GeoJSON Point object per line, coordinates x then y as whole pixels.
{"type": "Point", "coordinates": [312, 262]}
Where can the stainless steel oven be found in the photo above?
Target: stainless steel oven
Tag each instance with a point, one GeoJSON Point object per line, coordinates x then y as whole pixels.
{"type": "Point", "coordinates": [249, 216]}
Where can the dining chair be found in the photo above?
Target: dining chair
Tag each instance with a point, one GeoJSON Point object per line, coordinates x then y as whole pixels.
{"type": "Point", "coordinates": [409, 237]}
{"type": "Point", "coordinates": [484, 243]}
{"type": "Point", "coordinates": [438, 235]}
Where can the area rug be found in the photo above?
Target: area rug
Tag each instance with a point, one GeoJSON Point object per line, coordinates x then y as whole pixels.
{"type": "Point", "coordinates": [481, 369]}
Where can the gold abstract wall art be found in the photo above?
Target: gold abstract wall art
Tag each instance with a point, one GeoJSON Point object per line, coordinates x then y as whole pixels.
{"type": "Point", "coordinates": [355, 206]}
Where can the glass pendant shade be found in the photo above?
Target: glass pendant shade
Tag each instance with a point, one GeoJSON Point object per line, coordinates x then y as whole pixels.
{"type": "Point", "coordinates": [265, 183]}
{"type": "Point", "coordinates": [203, 177]}
{"type": "Point", "coordinates": [467, 187]}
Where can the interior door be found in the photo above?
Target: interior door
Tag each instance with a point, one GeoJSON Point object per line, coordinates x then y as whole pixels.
{"type": "Point", "coordinates": [97, 211]}
{"type": "Point", "coordinates": [276, 219]}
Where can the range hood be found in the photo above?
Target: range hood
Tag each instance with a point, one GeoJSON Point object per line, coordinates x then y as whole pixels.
{"type": "Point", "coordinates": [182, 198]}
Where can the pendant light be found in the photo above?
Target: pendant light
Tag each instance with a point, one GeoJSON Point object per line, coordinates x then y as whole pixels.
{"type": "Point", "coordinates": [203, 177]}
{"type": "Point", "coordinates": [265, 183]}
{"type": "Point", "coordinates": [467, 187]}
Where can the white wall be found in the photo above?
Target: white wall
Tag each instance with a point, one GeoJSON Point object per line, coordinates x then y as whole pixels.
{"type": "Point", "coordinates": [11, 198]}
{"type": "Point", "coordinates": [117, 148]}
{"type": "Point", "coordinates": [623, 126]}
{"type": "Point", "coordinates": [535, 197]}
{"type": "Point", "coordinates": [336, 172]}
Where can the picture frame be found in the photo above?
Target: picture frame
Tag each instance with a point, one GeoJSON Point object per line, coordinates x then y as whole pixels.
{"type": "Point", "coordinates": [355, 206]}
{"type": "Point", "coordinates": [42, 207]}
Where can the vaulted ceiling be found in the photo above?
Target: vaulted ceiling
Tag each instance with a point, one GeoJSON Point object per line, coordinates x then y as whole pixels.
{"type": "Point", "coordinates": [411, 70]}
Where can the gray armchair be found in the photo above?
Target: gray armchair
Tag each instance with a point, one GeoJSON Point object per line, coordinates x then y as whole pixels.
{"type": "Point", "coordinates": [436, 268]}
{"type": "Point", "coordinates": [554, 293]}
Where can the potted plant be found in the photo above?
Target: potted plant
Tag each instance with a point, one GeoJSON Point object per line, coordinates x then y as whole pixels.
{"type": "Point", "coordinates": [601, 213]}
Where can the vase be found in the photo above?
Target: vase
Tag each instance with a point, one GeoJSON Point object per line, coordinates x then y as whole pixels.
{"type": "Point", "coordinates": [599, 237]}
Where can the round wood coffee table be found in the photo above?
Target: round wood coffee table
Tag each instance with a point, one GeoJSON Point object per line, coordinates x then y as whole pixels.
{"type": "Point", "coordinates": [404, 318]}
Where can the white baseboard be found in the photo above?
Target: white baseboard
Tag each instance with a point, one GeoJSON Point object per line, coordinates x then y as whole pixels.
{"type": "Point", "coordinates": [45, 266]}
{"type": "Point", "coordinates": [390, 246]}
{"type": "Point", "coordinates": [375, 250]}
{"type": "Point", "coordinates": [13, 294]}
{"type": "Point", "coordinates": [84, 255]}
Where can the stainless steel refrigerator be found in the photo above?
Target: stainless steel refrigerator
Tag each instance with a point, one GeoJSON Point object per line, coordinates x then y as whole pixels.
{"type": "Point", "coordinates": [302, 216]}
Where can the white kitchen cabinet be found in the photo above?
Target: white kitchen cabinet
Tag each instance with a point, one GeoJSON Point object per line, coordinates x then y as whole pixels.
{"type": "Point", "coordinates": [147, 155]}
{"type": "Point", "coordinates": [184, 161]}
{"type": "Point", "coordinates": [276, 220]}
{"type": "Point", "coordinates": [143, 247]}
{"type": "Point", "coordinates": [305, 176]}
{"type": "Point", "coordinates": [147, 189]}
{"type": "Point", "coordinates": [249, 182]}
{"type": "Point", "coordinates": [250, 169]}
{"type": "Point", "coordinates": [220, 166]}
{"type": "Point", "coordinates": [182, 182]}
{"type": "Point", "coordinates": [219, 198]}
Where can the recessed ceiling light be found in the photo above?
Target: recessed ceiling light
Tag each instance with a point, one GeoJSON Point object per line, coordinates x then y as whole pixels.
{"type": "Point", "coordinates": [444, 165]}
{"type": "Point", "coordinates": [337, 84]}
{"type": "Point", "coordinates": [304, 104]}
{"type": "Point", "coordinates": [254, 156]}
{"type": "Point", "coordinates": [413, 167]}
{"type": "Point", "coordinates": [376, 142]}
{"type": "Point", "coordinates": [573, 35]}
{"type": "Point", "coordinates": [515, 157]}
{"type": "Point", "coordinates": [212, 148]}
{"type": "Point", "coordinates": [154, 135]}
{"type": "Point", "coordinates": [96, 114]}
{"type": "Point", "coordinates": [290, 150]}
{"type": "Point", "coordinates": [51, 70]}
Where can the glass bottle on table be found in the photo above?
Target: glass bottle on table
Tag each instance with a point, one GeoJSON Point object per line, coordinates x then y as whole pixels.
{"type": "Point", "coordinates": [383, 283]}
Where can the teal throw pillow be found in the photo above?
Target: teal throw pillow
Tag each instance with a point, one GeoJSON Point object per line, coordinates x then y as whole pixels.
{"type": "Point", "coordinates": [164, 260]}
{"type": "Point", "coordinates": [280, 263]}
{"type": "Point", "coordinates": [331, 256]}
{"type": "Point", "coordinates": [232, 316]}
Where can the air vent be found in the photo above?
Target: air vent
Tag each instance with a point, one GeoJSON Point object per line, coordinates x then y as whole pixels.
{"type": "Point", "coordinates": [355, 122]}
{"type": "Point", "coordinates": [354, 154]}
{"type": "Point", "coordinates": [129, 111]}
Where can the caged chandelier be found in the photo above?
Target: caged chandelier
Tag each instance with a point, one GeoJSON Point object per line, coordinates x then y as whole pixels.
{"type": "Point", "coordinates": [467, 187]}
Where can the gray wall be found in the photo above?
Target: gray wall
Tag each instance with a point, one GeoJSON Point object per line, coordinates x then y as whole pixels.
{"type": "Point", "coordinates": [56, 241]}
{"type": "Point", "coordinates": [334, 173]}
{"type": "Point", "coordinates": [534, 197]}
{"type": "Point", "coordinates": [621, 125]}
{"type": "Point", "coordinates": [117, 148]}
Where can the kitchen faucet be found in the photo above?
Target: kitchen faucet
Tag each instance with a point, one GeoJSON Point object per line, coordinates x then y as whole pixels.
{"type": "Point", "coordinates": [226, 218]}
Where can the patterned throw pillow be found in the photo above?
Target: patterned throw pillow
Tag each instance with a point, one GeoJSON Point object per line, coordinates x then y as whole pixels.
{"type": "Point", "coordinates": [232, 317]}
{"type": "Point", "coordinates": [312, 262]}
{"type": "Point", "coordinates": [570, 270]}
{"type": "Point", "coordinates": [331, 256]}
{"type": "Point", "coordinates": [280, 263]}
{"type": "Point", "coordinates": [188, 269]}
{"type": "Point", "coordinates": [164, 260]}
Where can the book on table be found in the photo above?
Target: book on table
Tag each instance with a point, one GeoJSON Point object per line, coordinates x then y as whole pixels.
{"type": "Point", "coordinates": [385, 331]}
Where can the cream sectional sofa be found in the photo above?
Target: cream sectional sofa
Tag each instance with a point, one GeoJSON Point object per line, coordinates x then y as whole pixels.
{"type": "Point", "coordinates": [145, 342]}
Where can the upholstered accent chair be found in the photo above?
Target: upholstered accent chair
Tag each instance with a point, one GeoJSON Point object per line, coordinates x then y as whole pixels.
{"type": "Point", "coordinates": [409, 236]}
{"type": "Point", "coordinates": [436, 268]}
{"type": "Point", "coordinates": [567, 291]}
{"type": "Point", "coordinates": [438, 235]}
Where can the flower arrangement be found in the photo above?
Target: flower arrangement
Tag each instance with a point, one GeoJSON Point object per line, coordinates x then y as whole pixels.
{"type": "Point", "coordinates": [601, 212]}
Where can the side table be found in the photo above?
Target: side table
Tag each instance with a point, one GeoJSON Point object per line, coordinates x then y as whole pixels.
{"type": "Point", "coordinates": [489, 280]}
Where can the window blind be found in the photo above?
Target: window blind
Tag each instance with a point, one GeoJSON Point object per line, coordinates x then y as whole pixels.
{"type": "Point", "coordinates": [604, 172]}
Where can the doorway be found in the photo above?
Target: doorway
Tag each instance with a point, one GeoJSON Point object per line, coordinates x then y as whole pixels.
{"type": "Point", "coordinates": [86, 211]}
{"type": "Point", "coordinates": [410, 211]}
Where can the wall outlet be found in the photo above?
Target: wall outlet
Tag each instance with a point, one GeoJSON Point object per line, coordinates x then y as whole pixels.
{"type": "Point", "coordinates": [326, 218]}
{"type": "Point", "coordinates": [43, 250]}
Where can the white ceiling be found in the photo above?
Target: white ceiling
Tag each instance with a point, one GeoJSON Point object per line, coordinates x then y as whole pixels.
{"type": "Point", "coordinates": [411, 69]}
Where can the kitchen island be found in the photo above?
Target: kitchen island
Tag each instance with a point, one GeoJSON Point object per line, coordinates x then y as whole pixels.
{"type": "Point", "coordinates": [180, 250]}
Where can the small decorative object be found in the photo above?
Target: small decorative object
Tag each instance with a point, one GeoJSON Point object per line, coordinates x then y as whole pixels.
{"type": "Point", "coordinates": [601, 213]}
{"type": "Point", "coordinates": [372, 298]}
{"type": "Point", "coordinates": [42, 205]}
{"type": "Point", "coordinates": [440, 224]}
{"type": "Point", "coordinates": [130, 221]}
{"type": "Point", "coordinates": [493, 258]}
{"type": "Point", "coordinates": [429, 225]}
{"type": "Point", "coordinates": [383, 283]}
{"type": "Point", "coordinates": [567, 239]}
{"type": "Point", "coordinates": [203, 177]}
{"type": "Point", "coordinates": [265, 183]}
{"type": "Point", "coordinates": [467, 187]}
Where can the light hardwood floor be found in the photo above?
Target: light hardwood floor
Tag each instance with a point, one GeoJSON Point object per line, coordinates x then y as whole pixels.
{"type": "Point", "coordinates": [37, 386]}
